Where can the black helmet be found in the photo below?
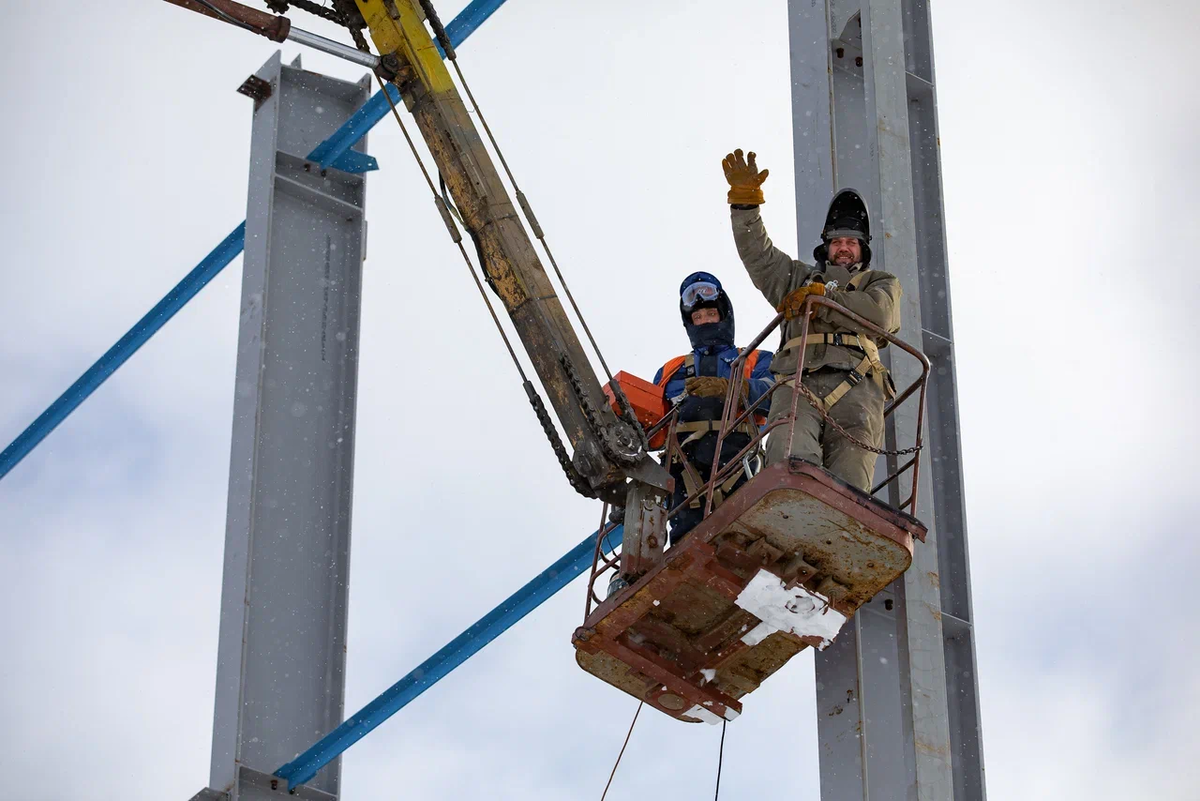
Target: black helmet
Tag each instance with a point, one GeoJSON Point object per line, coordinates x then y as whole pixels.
{"type": "Point", "coordinates": [697, 292]}
{"type": "Point", "coordinates": [847, 216]}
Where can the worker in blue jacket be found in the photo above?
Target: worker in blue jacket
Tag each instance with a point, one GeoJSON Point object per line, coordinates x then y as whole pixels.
{"type": "Point", "coordinates": [697, 383]}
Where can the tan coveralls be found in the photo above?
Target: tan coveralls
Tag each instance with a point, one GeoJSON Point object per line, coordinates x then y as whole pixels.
{"type": "Point", "coordinates": [826, 366]}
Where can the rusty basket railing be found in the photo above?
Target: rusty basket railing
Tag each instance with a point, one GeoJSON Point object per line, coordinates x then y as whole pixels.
{"type": "Point", "coordinates": [735, 401]}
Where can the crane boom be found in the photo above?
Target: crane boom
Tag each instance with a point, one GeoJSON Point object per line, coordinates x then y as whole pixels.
{"type": "Point", "coordinates": [607, 448]}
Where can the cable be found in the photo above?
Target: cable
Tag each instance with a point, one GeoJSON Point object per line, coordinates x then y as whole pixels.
{"type": "Point", "coordinates": [618, 762]}
{"type": "Point", "coordinates": [530, 217]}
{"type": "Point", "coordinates": [720, 759]}
{"type": "Point", "coordinates": [453, 231]}
{"type": "Point", "coordinates": [627, 414]}
{"type": "Point", "coordinates": [576, 480]}
{"type": "Point", "coordinates": [533, 223]}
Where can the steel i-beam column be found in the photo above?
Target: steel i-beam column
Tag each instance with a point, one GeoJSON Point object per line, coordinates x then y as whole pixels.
{"type": "Point", "coordinates": [897, 699]}
{"type": "Point", "coordinates": [281, 653]}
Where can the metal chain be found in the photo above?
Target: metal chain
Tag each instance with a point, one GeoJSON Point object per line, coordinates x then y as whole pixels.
{"type": "Point", "coordinates": [595, 420]}
{"type": "Point", "coordinates": [576, 479]}
{"type": "Point", "coordinates": [820, 407]}
{"type": "Point", "coordinates": [602, 431]}
{"type": "Point", "coordinates": [349, 18]}
{"type": "Point", "coordinates": [595, 423]}
{"type": "Point", "coordinates": [627, 413]}
{"type": "Point", "coordinates": [522, 201]}
{"type": "Point", "coordinates": [573, 476]}
{"type": "Point", "coordinates": [324, 12]}
{"type": "Point", "coordinates": [360, 41]}
{"type": "Point", "coordinates": [346, 16]}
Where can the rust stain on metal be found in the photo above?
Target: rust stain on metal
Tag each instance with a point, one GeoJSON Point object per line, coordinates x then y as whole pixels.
{"type": "Point", "coordinates": [941, 751]}
{"type": "Point", "coordinates": [675, 637]}
{"type": "Point", "coordinates": [256, 89]}
{"type": "Point", "coordinates": [273, 27]}
{"type": "Point", "coordinates": [659, 639]}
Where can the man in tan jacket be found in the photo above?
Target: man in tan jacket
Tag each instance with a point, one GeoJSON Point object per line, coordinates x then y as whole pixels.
{"type": "Point", "coordinates": [842, 369]}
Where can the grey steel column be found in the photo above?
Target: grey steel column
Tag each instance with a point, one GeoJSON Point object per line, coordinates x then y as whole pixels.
{"type": "Point", "coordinates": [281, 653]}
{"type": "Point", "coordinates": [897, 693]}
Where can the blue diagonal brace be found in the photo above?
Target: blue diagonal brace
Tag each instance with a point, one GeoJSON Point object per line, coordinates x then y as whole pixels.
{"type": "Point", "coordinates": [333, 152]}
{"type": "Point", "coordinates": [337, 146]}
{"type": "Point", "coordinates": [457, 651]}
{"type": "Point", "coordinates": [470, 18]}
{"type": "Point", "coordinates": [354, 162]}
{"type": "Point", "coordinates": [126, 346]}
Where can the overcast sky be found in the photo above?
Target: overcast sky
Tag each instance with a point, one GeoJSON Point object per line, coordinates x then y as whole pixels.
{"type": "Point", "coordinates": [1069, 158]}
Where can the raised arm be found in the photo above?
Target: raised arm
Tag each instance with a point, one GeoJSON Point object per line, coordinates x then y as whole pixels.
{"type": "Point", "coordinates": [774, 272]}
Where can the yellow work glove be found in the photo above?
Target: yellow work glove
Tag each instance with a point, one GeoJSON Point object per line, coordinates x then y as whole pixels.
{"type": "Point", "coordinates": [706, 386]}
{"type": "Point", "coordinates": [745, 181]}
{"type": "Point", "coordinates": [793, 305]}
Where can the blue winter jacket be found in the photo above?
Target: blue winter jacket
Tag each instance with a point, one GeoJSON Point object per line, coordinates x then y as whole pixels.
{"type": "Point", "coordinates": [761, 379]}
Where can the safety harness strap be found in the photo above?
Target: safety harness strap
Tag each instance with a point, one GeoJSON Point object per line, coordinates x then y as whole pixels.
{"type": "Point", "coordinates": [670, 368]}
{"type": "Point", "coordinates": [688, 361]}
{"type": "Point", "coordinates": [725, 488]}
{"type": "Point", "coordinates": [869, 364]}
{"type": "Point", "coordinates": [697, 429]}
{"type": "Point", "coordinates": [694, 430]}
{"type": "Point", "coordinates": [863, 343]}
{"type": "Point", "coordinates": [856, 281]}
{"type": "Point", "coordinates": [860, 372]}
{"type": "Point", "coordinates": [692, 483]}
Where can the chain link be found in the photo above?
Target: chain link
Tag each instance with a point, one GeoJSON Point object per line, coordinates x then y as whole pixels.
{"type": "Point", "coordinates": [577, 481]}
{"type": "Point", "coordinates": [604, 433]}
{"type": "Point", "coordinates": [345, 15]}
{"type": "Point", "coordinates": [360, 41]}
{"type": "Point", "coordinates": [574, 477]}
{"type": "Point", "coordinates": [317, 9]}
{"type": "Point", "coordinates": [627, 414]}
{"type": "Point", "coordinates": [820, 407]}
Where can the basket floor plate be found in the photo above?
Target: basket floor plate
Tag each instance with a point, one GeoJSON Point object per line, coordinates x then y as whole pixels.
{"type": "Point", "coordinates": [674, 638]}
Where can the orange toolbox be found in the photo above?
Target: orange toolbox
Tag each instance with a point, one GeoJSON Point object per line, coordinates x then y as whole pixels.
{"type": "Point", "coordinates": [647, 401]}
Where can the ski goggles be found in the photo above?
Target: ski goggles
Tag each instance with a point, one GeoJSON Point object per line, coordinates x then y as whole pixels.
{"type": "Point", "coordinates": [699, 292]}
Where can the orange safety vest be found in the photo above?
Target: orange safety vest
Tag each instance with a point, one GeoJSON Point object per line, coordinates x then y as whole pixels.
{"type": "Point", "coordinates": [671, 367]}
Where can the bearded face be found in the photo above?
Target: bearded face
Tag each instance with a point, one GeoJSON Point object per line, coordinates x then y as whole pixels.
{"type": "Point", "coordinates": [844, 251]}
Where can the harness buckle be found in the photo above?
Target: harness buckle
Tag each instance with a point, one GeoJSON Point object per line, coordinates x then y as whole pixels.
{"type": "Point", "coordinates": [837, 338]}
{"type": "Point", "coordinates": [853, 377]}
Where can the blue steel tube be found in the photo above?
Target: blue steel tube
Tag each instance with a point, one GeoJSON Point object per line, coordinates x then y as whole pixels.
{"type": "Point", "coordinates": [470, 18]}
{"type": "Point", "coordinates": [375, 109]}
{"type": "Point", "coordinates": [126, 346]}
{"type": "Point", "coordinates": [462, 26]}
{"type": "Point", "coordinates": [457, 651]}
